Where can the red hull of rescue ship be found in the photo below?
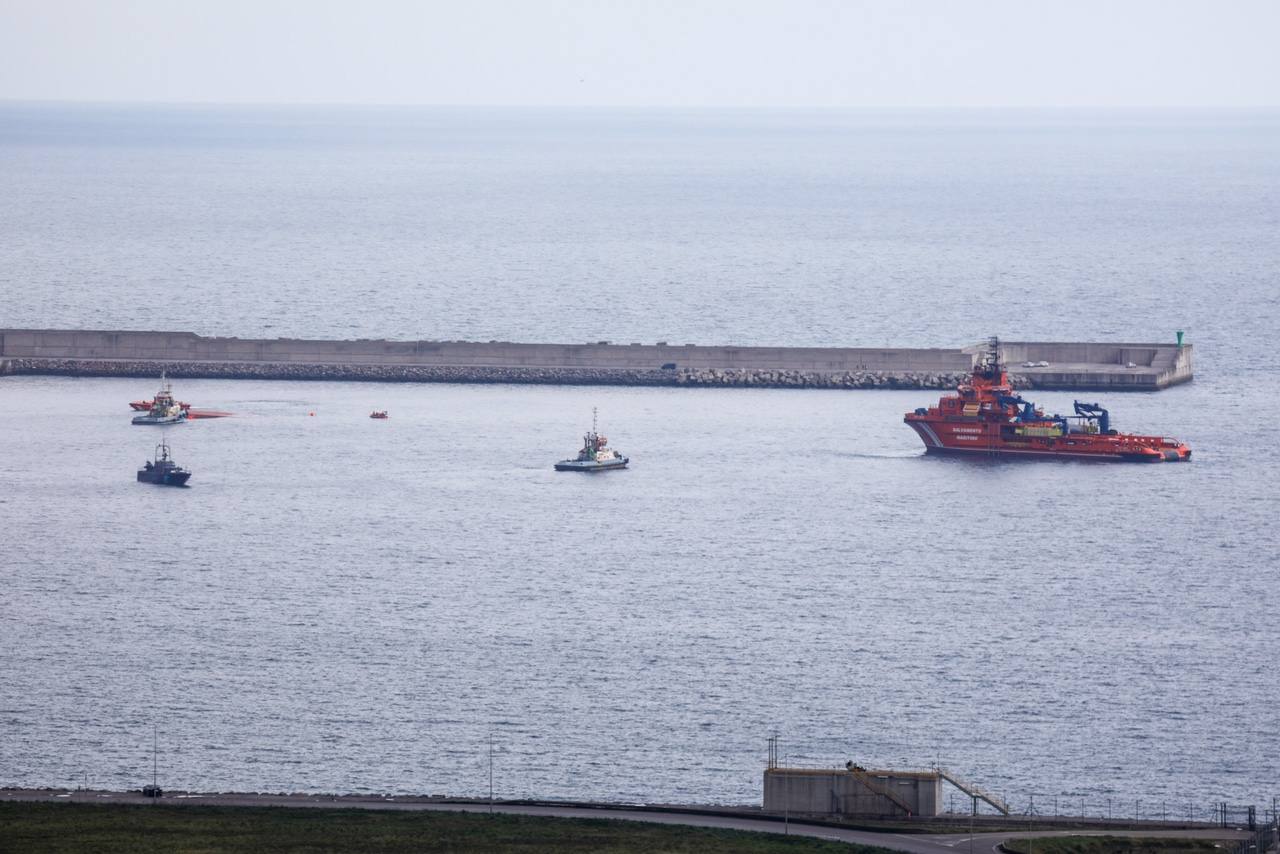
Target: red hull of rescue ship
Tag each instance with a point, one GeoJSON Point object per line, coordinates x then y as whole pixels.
{"type": "Point", "coordinates": [986, 417]}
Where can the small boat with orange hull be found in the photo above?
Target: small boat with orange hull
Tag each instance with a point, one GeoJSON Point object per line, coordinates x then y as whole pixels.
{"type": "Point", "coordinates": [986, 417]}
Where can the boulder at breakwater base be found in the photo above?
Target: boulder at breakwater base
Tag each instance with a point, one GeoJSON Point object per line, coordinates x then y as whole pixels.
{"type": "Point", "coordinates": [703, 378]}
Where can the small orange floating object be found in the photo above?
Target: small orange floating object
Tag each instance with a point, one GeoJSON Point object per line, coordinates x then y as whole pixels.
{"type": "Point", "coordinates": [311, 413]}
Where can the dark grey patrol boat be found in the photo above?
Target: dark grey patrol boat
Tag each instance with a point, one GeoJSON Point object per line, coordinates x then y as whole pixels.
{"type": "Point", "coordinates": [163, 471]}
{"type": "Point", "coordinates": [596, 455]}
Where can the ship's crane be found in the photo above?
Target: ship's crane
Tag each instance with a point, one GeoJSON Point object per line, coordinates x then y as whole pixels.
{"type": "Point", "coordinates": [1027, 409]}
{"type": "Point", "coordinates": [1094, 412]}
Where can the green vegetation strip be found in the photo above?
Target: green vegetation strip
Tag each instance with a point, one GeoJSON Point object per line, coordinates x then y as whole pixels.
{"type": "Point", "coordinates": [106, 829]}
{"type": "Point", "coordinates": [1107, 845]}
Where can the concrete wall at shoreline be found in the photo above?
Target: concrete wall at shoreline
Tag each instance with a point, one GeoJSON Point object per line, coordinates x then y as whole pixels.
{"type": "Point", "coordinates": [132, 353]}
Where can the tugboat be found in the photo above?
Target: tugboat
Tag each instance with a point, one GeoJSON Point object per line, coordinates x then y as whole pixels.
{"type": "Point", "coordinates": [595, 455]}
{"type": "Point", "coordinates": [986, 417]}
{"type": "Point", "coordinates": [163, 471]}
{"type": "Point", "coordinates": [379, 414]}
{"type": "Point", "coordinates": [164, 409]}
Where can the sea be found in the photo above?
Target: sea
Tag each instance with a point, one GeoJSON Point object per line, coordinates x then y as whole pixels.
{"type": "Point", "coordinates": [337, 604]}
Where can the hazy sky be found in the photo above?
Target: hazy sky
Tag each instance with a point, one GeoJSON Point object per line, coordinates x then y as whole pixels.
{"type": "Point", "coordinates": [632, 52]}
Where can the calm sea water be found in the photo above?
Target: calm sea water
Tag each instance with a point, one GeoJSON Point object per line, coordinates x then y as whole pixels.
{"type": "Point", "coordinates": [343, 604]}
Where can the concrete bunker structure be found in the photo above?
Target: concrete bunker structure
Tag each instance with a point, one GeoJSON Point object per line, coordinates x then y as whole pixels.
{"type": "Point", "coordinates": [852, 791]}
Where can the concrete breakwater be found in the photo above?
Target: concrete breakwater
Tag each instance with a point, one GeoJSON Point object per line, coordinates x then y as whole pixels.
{"type": "Point", "coordinates": [1143, 367]}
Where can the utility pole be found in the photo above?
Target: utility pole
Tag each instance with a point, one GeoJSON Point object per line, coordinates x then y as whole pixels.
{"type": "Point", "coordinates": [972, 813]}
{"type": "Point", "coordinates": [1030, 819]}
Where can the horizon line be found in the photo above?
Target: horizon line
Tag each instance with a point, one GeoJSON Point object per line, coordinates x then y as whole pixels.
{"type": "Point", "coordinates": [649, 106]}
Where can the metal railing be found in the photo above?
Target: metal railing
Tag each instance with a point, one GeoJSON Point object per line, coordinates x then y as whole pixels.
{"type": "Point", "coordinates": [973, 791]}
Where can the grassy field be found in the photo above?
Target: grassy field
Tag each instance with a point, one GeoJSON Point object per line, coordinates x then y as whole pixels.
{"type": "Point", "coordinates": [1107, 845]}
{"type": "Point", "coordinates": [131, 829]}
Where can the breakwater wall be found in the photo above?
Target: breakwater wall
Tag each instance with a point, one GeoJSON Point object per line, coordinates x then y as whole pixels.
{"type": "Point", "coordinates": [184, 354]}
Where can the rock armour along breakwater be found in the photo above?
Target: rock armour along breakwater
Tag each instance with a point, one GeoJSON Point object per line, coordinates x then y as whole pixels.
{"type": "Point", "coordinates": [1141, 367]}
{"type": "Point", "coordinates": [522, 375]}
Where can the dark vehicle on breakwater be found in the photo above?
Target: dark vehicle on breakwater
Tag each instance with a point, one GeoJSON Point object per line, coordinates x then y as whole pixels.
{"type": "Point", "coordinates": [163, 471]}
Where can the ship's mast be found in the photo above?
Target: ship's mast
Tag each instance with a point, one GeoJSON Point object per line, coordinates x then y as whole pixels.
{"type": "Point", "coordinates": [991, 359]}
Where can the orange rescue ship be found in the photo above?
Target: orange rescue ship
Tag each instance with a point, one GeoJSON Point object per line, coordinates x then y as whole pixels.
{"type": "Point", "coordinates": [986, 417]}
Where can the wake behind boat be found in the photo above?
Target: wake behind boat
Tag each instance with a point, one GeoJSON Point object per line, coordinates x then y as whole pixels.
{"type": "Point", "coordinates": [986, 417]}
{"type": "Point", "coordinates": [596, 455]}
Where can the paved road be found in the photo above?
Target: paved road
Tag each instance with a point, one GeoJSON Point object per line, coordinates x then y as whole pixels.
{"type": "Point", "coordinates": [978, 843]}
